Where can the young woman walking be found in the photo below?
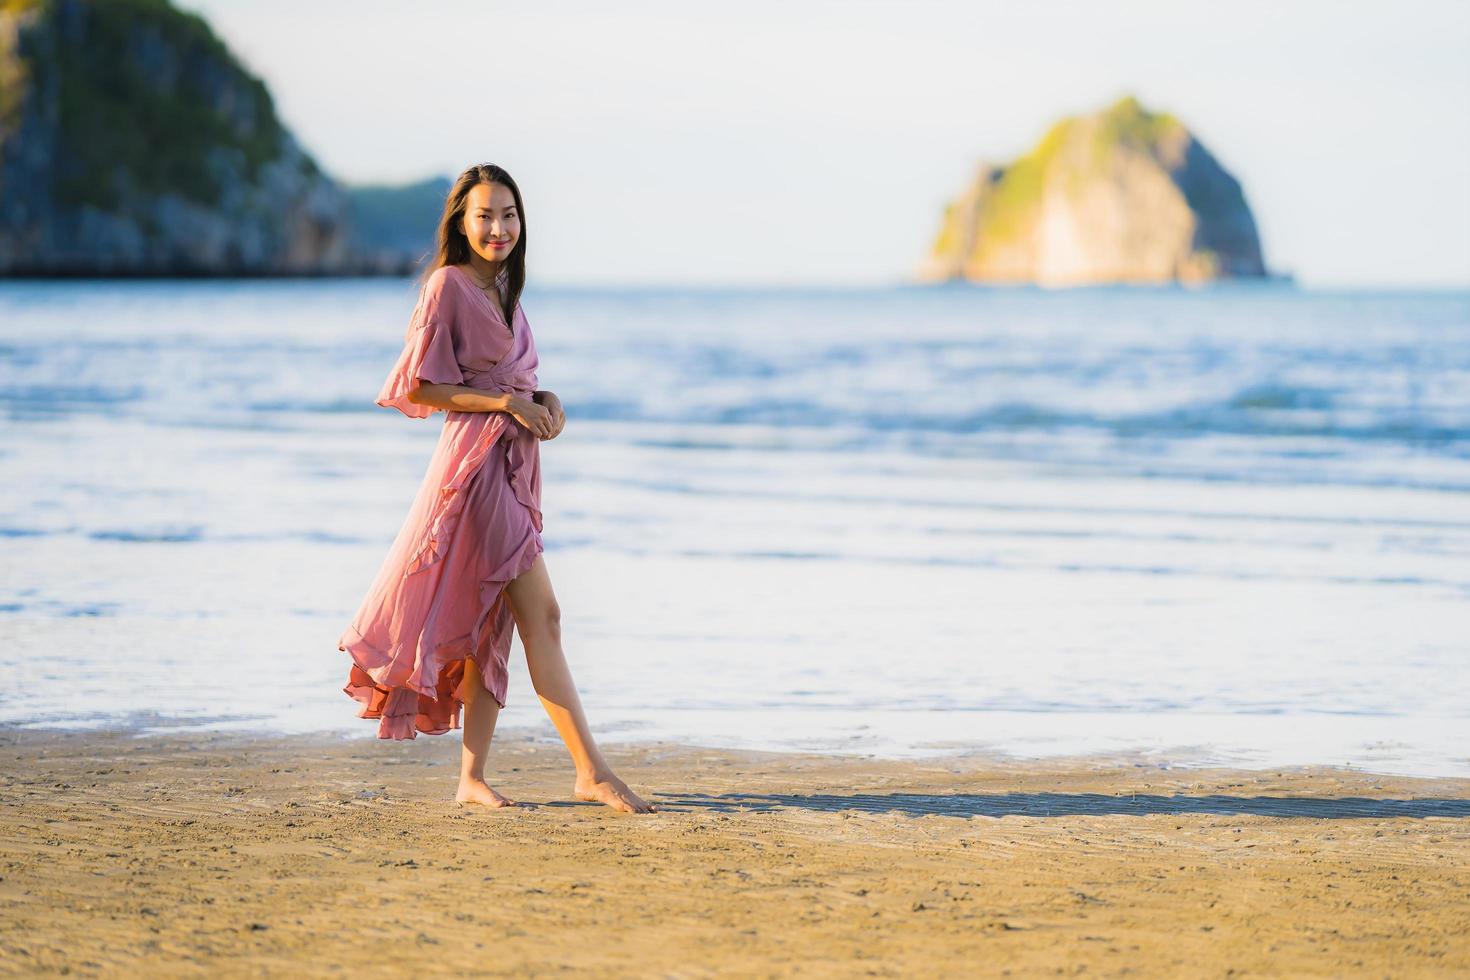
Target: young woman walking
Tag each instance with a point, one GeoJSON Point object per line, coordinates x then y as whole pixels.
{"type": "Point", "coordinates": [435, 629]}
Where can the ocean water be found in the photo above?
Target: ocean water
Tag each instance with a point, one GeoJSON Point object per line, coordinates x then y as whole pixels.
{"type": "Point", "coordinates": [1188, 527]}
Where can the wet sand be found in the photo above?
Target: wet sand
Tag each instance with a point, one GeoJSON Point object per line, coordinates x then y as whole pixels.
{"type": "Point", "coordinates": [194, 853]}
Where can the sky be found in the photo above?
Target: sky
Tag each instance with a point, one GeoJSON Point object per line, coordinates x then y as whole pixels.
{"type": "Point", "coordinates": [817, 142]}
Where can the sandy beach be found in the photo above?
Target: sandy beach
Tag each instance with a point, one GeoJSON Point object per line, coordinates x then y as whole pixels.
{"type": "Point", "coordinates": [188, 853]}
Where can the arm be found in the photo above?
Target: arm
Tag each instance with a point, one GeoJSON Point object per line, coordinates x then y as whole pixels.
{"type": "Point", "coordinates": [460, 398]}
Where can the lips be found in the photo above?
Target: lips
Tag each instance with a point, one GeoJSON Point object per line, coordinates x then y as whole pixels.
{"type": "Point", "coordinates": [500, 244]}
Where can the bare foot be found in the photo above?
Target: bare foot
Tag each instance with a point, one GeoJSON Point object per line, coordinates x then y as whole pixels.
{"type": "Point", "coordinates": [479, 791]}
{"type": "Point", "coordinates": [612, 791]}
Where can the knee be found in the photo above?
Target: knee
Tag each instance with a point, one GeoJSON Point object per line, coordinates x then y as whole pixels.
{"type": "Point", "coordinates": [546, 621]}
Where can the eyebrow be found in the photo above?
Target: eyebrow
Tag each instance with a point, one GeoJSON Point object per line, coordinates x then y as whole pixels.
{"type": "Point", "coordinates": [486, 207]}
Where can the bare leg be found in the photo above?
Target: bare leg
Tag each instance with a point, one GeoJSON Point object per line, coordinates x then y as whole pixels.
{"type": "Point", "coordinates": [538, 618]}
{"type": "Point", "coordinates": [480, 713]}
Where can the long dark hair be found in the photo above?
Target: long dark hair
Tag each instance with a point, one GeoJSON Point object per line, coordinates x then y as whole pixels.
{"type": "Point", "coordinates": [452, 248]}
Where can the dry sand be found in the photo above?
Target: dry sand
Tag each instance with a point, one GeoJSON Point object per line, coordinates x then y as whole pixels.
{"type": "Point", "coordinates": [223, 854]}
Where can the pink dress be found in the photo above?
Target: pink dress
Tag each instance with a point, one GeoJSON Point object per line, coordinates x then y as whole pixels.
{"type": "Point", "coordinates": [474, 525]}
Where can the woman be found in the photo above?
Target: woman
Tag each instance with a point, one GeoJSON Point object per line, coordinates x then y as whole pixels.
{"type": "Point", "coordinates": [435, 628]}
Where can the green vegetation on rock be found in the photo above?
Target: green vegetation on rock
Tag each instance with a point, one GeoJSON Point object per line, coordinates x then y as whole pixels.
{"type": "Point", "coordinates": [1121, 195]}
{"type": "Point", "coordinates": [128, 126]}
{"type": "Point", "coordinates": [1016, 198]}
{"type": "Point", "coordinates": [14, 78]}
{"type": "Point", "coordinates": [1126, 123]}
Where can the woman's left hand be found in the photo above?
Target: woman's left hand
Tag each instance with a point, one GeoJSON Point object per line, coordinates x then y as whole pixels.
{"type": "Point", "coordinates": [548, 400]}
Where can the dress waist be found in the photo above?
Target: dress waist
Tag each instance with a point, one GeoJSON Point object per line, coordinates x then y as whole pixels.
{"type": "Point", "coordinates": [491, 381]}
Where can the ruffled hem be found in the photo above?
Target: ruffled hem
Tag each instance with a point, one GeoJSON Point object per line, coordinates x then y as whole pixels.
{"type": "Point", "coordinates": [406, 712]}
{"type": "Point", "coordinates": [431, 704]}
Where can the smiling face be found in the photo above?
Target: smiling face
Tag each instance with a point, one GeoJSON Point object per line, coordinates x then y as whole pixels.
{"type": "Point", "coordinates": [492, 223]}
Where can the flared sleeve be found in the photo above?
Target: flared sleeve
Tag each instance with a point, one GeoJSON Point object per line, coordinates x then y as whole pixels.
{"type": "Point", "coordinates": [428, 355]}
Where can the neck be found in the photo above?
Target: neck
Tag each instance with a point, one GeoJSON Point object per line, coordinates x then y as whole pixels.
{"type": "Point", "coordinates": [483, 267]}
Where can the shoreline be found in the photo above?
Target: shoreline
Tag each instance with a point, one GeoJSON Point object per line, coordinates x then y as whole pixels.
{"type": "Point", "coordinates": [311, 853]}
{"type": "Point", "coordinates": [1032, 741]}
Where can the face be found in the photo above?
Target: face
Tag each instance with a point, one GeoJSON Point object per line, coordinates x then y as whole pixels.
{"type": "Point", "coordinates": [492, 224]}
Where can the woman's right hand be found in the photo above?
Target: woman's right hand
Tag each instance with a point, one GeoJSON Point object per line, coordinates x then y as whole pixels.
{"type": "Point", "coordinates": [534, 417]}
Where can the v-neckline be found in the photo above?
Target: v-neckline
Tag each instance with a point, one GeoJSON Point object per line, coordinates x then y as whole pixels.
{"type": "Point", "coordinates": [500, 313]}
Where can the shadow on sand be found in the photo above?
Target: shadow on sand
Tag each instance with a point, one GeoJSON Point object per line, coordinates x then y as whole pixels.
{"type": "Point", "coordinates": [1068, 804]}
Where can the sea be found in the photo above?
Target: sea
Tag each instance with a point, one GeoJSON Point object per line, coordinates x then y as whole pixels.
{"type": "Point", "coordinates": [1194, 526]}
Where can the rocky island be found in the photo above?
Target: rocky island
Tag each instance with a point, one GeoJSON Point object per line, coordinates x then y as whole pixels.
{"type": "Point", "coordinates": [1124, 195]}
{"type": "Point", "coordinates": [133, 143]}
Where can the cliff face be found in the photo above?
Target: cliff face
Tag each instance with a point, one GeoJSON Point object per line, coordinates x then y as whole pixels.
{"type": "Point", "coordinates": [1122, 196]}
{"type": "Point", "coordinates": [132, 142]}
